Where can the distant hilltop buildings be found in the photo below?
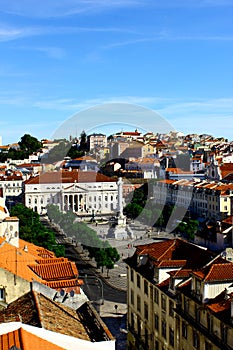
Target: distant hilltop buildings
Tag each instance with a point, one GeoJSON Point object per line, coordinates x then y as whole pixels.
{"type": "Point", "coordinates": [180, 293]}
{"type": "Point", "coordinates": [193, 172]}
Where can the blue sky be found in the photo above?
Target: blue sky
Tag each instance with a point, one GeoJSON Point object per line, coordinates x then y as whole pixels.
{"type": "Point", "coordinates": [60, 57]}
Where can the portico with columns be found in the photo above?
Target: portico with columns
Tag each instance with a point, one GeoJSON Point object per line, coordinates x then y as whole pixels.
{"type": "Point", "coordinates": [81, 192]}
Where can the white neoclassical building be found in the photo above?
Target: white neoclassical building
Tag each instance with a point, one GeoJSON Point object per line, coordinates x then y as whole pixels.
{"type": "Point", "coordinates": [82, 192]}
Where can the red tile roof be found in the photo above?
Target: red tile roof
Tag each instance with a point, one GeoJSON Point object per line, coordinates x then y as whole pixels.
{"type": "Point", "coordinates": [36, 309]}
{"type": "Point", "coordinates": [226, 169]}
{"type": "Point", "coordinates": [171, 263]}
{"type": "Point", "coordinates": [216, 272]}
{"type": "Point", "coordinates": [221, 304]}
{"type": "Point", "coordinates": [176, 250]}
{"type": "Point", "coordinates": [55, 271]}
{"type": "Point", "coordinates": [37, 263]}
{"type": "Point", "coordinates": [68, 177]}
{"type": "Point", "coordinates": [184, 273]}
{"type": "Point", "coordinates": [22, 339]}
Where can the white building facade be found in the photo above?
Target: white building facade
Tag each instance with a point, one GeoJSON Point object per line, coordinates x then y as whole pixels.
{"type": "Point", "coordinates": [82, 192]}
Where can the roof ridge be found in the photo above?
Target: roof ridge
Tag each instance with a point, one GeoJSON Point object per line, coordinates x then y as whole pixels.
{"type": "Point", "coordinates": [62, 307]}
{"type": "Point", "coordinates": [171, 246]}
{"type": "Point", "coordinates": [37, 306]}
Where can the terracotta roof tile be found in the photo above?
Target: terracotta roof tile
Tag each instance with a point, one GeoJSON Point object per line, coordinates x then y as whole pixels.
{"type": "Point", "coordinates": [38, 310]}
{"type": "Point", "coordinates": [183, 273]}
{"type": "Point", "coordinates": [30, 265]}
{"type": "Point", "coordinates": [172, 263]}
{"type": "Point", "coordinates": [55, 271]}
{"type": "Point", "coordinates": [22, 339]}
{"type": "Point", "coordinates": [68, 177]}
{"type": "Point", "coordinates": [216, 272]}
{"type": "Point", "coordinates": [221, 306]}
{"type": "Point", "coordinates": [176, 250]}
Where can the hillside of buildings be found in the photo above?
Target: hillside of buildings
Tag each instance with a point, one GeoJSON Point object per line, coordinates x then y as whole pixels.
{"type": "Point", "coordinates": [179, 188]}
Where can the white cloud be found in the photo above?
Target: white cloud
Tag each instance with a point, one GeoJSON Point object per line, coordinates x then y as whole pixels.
{"type": "Point", "coordinates": [34, 8]}
{"type": "Point", "coordinates": [52, 52]}
{"type": "Point", "coordinates": [9, 33]}
{"type": "Point", "coordinates": [212, 116]}
{"type": "Point", "coordinates": [165, 36]}
{"type": "Point", "coordinates": [64, 8]}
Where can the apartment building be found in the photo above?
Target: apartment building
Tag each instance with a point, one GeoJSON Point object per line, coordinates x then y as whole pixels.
{"type": "Point", "coordinates": [12, 184]}
{"type": "Point", "coordinates": [175, 294]}
{"type": "Point", "coordinates": [206, 199]}
{"type": "Point", "coordinates": [96, 140]}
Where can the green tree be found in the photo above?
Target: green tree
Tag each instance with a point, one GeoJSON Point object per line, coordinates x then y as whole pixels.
{"type": "Point", "coordinates": [32, 230]}
{"type": "Point", "coordinates": [188, 228]}
{"type": "Point", "coordinates": [29, 144]}
{"type": "Point", "coordinates": [133, 210]}
{"type": "Point", "coordinates": [83, 142]}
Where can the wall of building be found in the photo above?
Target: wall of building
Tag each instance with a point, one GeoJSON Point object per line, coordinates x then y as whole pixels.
{"type": "Point", "coordinates": [13, 285]}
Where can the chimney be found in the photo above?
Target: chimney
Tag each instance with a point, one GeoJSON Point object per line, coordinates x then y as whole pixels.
{"type": "Point", "coordinates": [25, 248]}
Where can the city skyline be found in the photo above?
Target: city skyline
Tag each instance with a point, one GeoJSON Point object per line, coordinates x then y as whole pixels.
{"type": "Point", "coordinates": [174, 58]}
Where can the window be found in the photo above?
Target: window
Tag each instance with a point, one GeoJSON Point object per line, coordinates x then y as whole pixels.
{"type": "Point", "coordinates": [146, 338]}
{"type": "Point", "coordinates": [139, 327]}
{"type": "Point", "coordinates": [197, 313]}
{"type": "Point", "coordinates": [224, 333]}
{"type": "Point", "coordinates": [145, 287]}
{"type": "Point", "coordinates": [138, 281]}
{"type": "Point", "coordinates": [132, 296]}
{"type": "Point", "coordinates": [156, 322]}
{"type": "Point", "coordinates": [171, 336]}
{"type": "Point", "coordinates": [184, 330]}
{"type": "Point", "coordinates": [163, 302]}
{"type": "Point", "coordinates": [209, 323]}
{"type": "Point", "coordinates": [156, 296]}
{"type": "Point", "coordinates": [2, 294]}
{"type": "Point", "coordinates": [145, 311]}
{"type": "Point", "coordinates": [164, 329]}
{"type": "Point", "coordinates": [186, 305]}
{"type": "Point", "coordinates": [138, 303]}
{"type": "Point", "coordinates": [171, 306]}
{"type": "Point", "coordinates": [132, 320]}
{"type": "Point", "coordinates": [131, 275]}
{"type": "Point", "coordinates": [195, 340]}
{"type": "Point", "coordinates": [208, 346]}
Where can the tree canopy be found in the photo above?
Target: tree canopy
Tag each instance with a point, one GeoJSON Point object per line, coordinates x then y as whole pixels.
{"type": "Point", "coordinates": [27, 145]}
{"type": "Point", "coordinates": [104, 254]}
{"type": "Point", "coordinates": [33, 231]}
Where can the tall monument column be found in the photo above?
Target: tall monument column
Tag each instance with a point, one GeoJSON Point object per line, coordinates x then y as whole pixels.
{"type": "Point", "coordinates": [120, 199]}
{"type": "Point", "coordinates": [120, 230]}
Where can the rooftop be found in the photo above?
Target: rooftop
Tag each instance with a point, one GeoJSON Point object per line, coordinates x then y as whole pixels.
{"type": "Point", "coordinates": [31, 262]}
{"type": "Point", "coordinates": [34, 308]}
{"type": "Point", "coordinates": [68, 177]}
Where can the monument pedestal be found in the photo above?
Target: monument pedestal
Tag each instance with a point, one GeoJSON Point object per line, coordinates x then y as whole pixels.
{"type": "Point", "coordinates": [120, 230]}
